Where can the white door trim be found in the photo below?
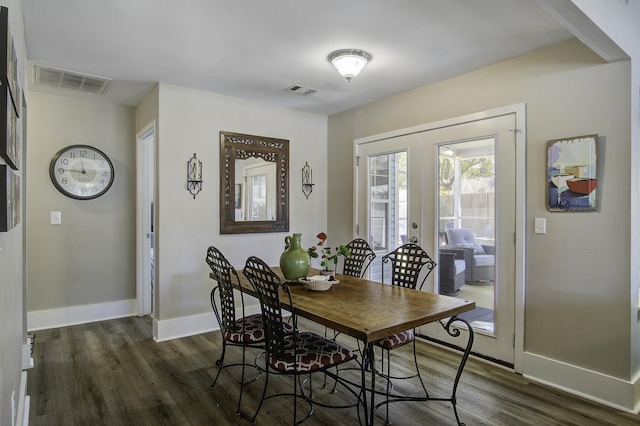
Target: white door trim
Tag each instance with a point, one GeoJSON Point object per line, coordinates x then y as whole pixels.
{"type": "Point", "coordinates": [521, 231]}
{"type": "Point", "coordinates": [144, 172]}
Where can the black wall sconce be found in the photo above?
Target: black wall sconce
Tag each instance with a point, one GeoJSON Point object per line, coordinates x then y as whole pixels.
{"type": "Point", "coordinates": [194, 176]}
{"type": "Point", "coordinates": [307, 180]}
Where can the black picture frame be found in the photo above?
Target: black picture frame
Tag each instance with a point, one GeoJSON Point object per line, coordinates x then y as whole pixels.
{"type": "Point", "coordinates": [9, 149]}
{"type": "Point", "coordinates": [9, 198]}
{"type": "Point", "coordinates": [10, 95]}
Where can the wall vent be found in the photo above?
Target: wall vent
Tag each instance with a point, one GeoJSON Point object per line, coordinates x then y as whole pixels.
{"type": "Point", "coordinates": [54, 77]}
{"type": "Point", "coordinates": [301, 90]}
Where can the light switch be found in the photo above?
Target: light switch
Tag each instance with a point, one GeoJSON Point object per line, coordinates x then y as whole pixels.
{"type": "Point", "coordinates": [540, 225]}
{"type": "Point", "coordinates": [56, 218]}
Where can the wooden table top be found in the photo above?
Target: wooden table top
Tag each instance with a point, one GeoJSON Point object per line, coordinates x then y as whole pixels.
{"type": "Point", "coordinates": [367, 310]}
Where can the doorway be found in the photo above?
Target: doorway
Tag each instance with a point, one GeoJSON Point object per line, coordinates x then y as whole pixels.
{"type": "Point", "coordinates": [457, 176]}
{"type": "Point", "coordinates": [145, 221]}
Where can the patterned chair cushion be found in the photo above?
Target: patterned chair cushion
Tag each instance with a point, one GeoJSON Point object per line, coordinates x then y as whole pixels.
{"type": "Point", "coordinates": [314, 352]}
{"type": "Point", "coordinates": [396, 340]}
{"type": "Point", "coordinates": [253, 330]}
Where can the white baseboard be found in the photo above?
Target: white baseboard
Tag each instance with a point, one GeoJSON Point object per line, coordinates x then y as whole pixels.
{"type": "Point", "coordinates": [24, 402]}
{"type": "Point", "coordinates": [62, 317]}
{"type": "Point", "coordinates": [162, 330]}
{"type": "Point", "coordinates": [607, 390]}
{"type": "Point", "coordinates": [192, 325]}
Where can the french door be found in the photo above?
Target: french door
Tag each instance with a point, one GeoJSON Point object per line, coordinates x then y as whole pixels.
{"type": "Point", "coordinates": [417, 187]}
{"type": "Point", "coordinates": [388, 215]}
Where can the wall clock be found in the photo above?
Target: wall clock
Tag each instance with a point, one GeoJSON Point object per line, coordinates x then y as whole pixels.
{"type": "Point", "coordinates": [81, 172]}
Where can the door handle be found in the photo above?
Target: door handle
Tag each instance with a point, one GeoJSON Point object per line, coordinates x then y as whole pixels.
{"type": "Point", "coordinates": [414, 240]}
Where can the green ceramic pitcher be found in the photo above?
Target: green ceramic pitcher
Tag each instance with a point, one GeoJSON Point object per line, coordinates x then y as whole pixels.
{"type": "Point", "coordinates": [295, 260]}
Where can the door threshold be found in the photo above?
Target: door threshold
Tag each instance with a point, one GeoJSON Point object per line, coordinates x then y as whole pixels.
{"type": "Point", "coordinates": [475, 354]}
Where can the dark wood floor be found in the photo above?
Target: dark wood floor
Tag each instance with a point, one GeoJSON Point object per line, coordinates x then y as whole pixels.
{"type": "Point", "coordinates": [113, 373]}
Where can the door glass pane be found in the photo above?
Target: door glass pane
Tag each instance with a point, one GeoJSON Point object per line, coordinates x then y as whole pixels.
{"type": "Point", "coordinates": [388, 202]}
{"type": "Point", "coordinates": [466, 225]}
{"type": "Point", "coordinates": [379, 225]}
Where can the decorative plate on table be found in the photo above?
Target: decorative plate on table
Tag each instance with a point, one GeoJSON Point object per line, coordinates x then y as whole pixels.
{"type": "Point", "coordinates": [317, 284]}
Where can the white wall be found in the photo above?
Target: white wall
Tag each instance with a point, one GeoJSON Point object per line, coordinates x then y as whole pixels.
{"type": "Point", "coordinates": [577, 296]}
{"type": "Point", "coordinates": [621, 22]}
{"type": "Point", "coordinates": [147, 110]}
{"type": "Point", "coordinates": [88, 260]}
{"type": "Point", "coordinates": [71, 281]}
{"type": "Point", "coordinates": [190, 122]}
{"type": "Point", "coordinates": [12, 263]}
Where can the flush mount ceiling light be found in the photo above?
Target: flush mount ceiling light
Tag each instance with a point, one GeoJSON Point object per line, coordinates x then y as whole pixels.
{"type": "Point", "coordinates": [349, 62]}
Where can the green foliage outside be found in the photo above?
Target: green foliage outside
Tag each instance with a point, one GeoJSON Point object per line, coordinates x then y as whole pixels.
{"type": "Point", "coordinates": [470, 168]}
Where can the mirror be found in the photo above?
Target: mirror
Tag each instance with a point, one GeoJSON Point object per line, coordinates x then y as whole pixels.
{"type": "Point", "coordinates": [254, 184]}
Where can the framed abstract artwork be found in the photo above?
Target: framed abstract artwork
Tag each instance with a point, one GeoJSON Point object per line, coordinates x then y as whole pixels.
{"type": "Point", "coordinates": [572, 174]}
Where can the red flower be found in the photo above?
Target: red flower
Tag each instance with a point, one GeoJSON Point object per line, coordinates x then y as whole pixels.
{"type": "Point", "coordinates": [322, 237]}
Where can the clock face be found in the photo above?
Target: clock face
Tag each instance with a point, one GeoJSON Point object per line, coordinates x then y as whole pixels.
{"type": "Point", "coordinates": [81, 172]}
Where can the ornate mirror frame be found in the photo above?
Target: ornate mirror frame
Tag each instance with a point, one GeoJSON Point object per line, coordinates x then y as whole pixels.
{"type": "Point", "coordinates": [236, 146]}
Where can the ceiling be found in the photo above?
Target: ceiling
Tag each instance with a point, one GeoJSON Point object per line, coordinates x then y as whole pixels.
{"type": "Point", "coordinates": [257, 49]}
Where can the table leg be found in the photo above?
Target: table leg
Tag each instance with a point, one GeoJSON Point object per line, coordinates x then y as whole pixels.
{"type": "Point", "coordinates": [463, 361]}
{"type": "Point", "coordinates": [371, 360]}
{"type": "Point", "coordinates": [363, 383]}
{"type": "Point", "coordinates": [455, 332]}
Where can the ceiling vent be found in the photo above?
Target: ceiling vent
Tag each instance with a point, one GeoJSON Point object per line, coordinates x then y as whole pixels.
{"type": "Point", "coordinates": [54, 77]}
{"type": "Point", "coordinates": [301, 90]}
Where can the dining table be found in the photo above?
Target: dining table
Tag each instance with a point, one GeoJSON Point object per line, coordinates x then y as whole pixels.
{"type": "Point", "coordinates": [369, 311]}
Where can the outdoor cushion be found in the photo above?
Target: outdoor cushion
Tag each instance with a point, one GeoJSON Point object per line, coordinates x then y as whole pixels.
{"type": "Point", "coordinates": [477, 248]}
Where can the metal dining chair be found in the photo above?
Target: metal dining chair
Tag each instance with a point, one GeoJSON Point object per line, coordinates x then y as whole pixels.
{"type": "Point", "coordinates": [356, 264]}
{"type": "Point", "coordinates": [290, 351]}
{"type": "Point", "coordinates": [246, 331]}
{"type": "Point", "coordinates": [361, 256]}
{"type": "Point", "coordinates": [407, 267]}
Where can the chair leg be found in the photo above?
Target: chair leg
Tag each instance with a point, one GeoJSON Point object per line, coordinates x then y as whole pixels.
{"type": "Point", "coordinates": [324, 383]}
{"type": "Point", "coordinates": [264, 391]}
{"type": "Point", "coordinates": [415, 360]}
{"type": "Point", "coordinates": [220, 363]}
{"type": "Point", "coordinates": [387, 422]}
{"type": "Point", "coordinates": [390, 384]}
{"type": "Point", "coordinates": [335, 384]}
{"type": "Point", "coordinates": [241, 380]}
{"type": "Point", "coordinates": [295, 397]}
